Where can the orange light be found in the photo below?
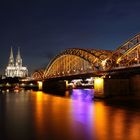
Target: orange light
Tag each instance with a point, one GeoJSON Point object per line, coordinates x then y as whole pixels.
{"type": "Point", "coordinates": [40, 84]}
{"type": "Point", "coordinates": [66, 83]}
{"type": "Point", "coordinates": [118, 60]}
{"type": "Point", "coordinates": [99, 85]}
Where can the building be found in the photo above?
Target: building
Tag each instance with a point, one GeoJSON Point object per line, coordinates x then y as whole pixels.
{"type": "Point", "coordinates": [15, 69]}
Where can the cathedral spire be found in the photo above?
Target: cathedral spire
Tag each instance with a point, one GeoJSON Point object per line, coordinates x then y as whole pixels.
{"type": "Point", "coordinates": [11, 58]}
{"type": "Point", "coordinates": [18, 58]}
{"type": "Point", "coordinates": [11, 53]}
{"type": "Point", "coordinates": [18, 54]}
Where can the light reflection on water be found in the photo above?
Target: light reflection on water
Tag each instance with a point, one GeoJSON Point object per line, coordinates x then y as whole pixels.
{"type": "Point", "coordinates": [82, 94]}
{"type": "Point", "coordinates": [39, 116]}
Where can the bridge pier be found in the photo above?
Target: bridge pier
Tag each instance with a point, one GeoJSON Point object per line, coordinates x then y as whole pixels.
{"type": "Point", "coordinates": [54, 86]}
{"type": "Point", "coordinates": [99, 87]}
{"type": "Point", "coordinates": [107, 87]}
{"type": "Point", "coordinates": [40, 85]}
{"type": "Point", "coordinates": [135, 85]}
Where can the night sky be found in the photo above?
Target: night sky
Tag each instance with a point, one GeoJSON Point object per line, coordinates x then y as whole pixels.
{"type": "Point", "coordinates": [43, 28]}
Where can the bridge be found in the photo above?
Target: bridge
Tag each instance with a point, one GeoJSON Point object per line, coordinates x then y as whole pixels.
{"type": "Point", "coordinates": [103, 64]}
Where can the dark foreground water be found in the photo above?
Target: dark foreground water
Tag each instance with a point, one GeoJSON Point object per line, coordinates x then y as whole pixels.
{"type": "Point", "coordinates": [40, 116]}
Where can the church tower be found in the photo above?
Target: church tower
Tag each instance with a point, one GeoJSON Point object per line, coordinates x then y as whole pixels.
{"type": "Point", "coordinates": [15, 69]}
{"type": "Point", "coordinates": [18, 59]}
{"type": "Point", "coordinates": [11, 58]}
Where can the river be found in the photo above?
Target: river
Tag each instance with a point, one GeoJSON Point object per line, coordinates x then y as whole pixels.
{"type": "Point", "coordinates": [30, 115]}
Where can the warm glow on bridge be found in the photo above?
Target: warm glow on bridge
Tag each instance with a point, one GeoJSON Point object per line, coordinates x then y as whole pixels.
{"type": "Point", "coordinates": [98, 85]}
{"type": "Point", "coordinates": [40, 84]}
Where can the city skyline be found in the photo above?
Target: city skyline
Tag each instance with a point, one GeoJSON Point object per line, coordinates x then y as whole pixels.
{"type": "Point", "coordinates": [42, 29]}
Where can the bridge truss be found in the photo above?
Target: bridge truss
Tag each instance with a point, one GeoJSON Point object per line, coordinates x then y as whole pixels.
{"type": "Point", "coordinates": [76, 61]}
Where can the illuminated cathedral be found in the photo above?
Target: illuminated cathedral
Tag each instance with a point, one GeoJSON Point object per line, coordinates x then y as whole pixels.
{"type": "Point", "coordinates": [15, 69]}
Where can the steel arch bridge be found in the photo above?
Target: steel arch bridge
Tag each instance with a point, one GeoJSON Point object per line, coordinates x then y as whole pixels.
{"type": "Point", "coordinates": [76, 61]}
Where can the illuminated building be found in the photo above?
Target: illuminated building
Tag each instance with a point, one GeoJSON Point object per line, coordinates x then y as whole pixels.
{"type": "Point", "coordinates": [15, 69]}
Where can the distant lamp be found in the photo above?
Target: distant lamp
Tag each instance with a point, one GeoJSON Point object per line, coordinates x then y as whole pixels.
{"type": "Point", "coordinates": [118, 60]}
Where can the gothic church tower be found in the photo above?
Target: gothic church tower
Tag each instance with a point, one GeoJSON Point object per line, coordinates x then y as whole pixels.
{"type": "Point", "coordinates": [15, 69]}
{"type": "Point", "coordinates": [11, 58]}
{"type": "Point", "coordinates": [18, 59]}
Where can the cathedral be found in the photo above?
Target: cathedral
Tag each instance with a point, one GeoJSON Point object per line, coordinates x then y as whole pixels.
{"type": "Point", "coordinates": [15, 69]}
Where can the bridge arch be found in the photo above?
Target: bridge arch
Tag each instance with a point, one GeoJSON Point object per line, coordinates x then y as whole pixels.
{"type": "Point", "coordinates": [126, 54]}
{"type": "Point", "coordinates": [38, 74]}
{"type": "Point", "coordinates": [76, 61]}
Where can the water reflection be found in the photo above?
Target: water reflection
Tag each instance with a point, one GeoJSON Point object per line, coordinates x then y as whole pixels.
{"type": "Point", "coordinates": [82, 94]}
{"type": "Point", "coordinates": [39, 114]}
{"type": "Point", "coordinates": [82, 118]}
{"type": "Point", "coordinates": [36, 115]}
{"type": "Point", "coordinates": [116, 123]}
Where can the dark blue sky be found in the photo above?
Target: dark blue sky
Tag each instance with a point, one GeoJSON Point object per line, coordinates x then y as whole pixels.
{"type": "Point", "coordinates": [43, 28]}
